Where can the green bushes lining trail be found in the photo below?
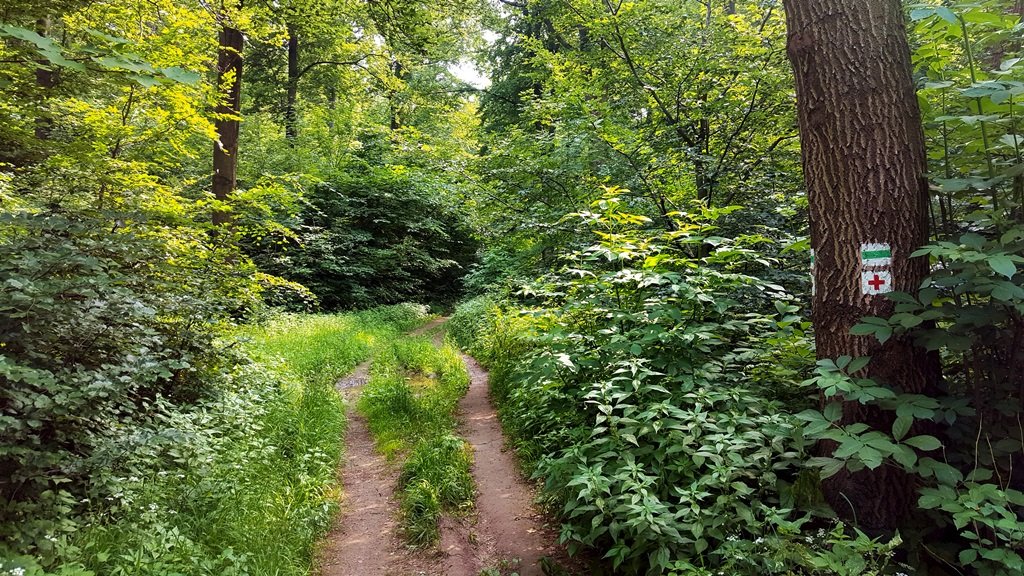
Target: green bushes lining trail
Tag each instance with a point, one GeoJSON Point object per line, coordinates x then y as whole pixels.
{"type": "Point", "coordinates": [242, 483]}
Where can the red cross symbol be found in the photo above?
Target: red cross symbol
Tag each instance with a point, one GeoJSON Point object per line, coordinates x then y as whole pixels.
{"type": "Point", "coordinates": [876, 282]}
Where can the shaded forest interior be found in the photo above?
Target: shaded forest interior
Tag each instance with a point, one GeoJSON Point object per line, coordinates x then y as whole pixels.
{"type": "Point", "coordinates": [746, 275]}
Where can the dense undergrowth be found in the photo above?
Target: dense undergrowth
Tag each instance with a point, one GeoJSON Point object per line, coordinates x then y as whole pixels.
{"type": "Point", "coordinates": [647, 391]}
{"type": "Point", "coordinates": [671, 405]}
{"type": "Point", "coordinates": [410, 404]}
{"type": "Point", "coordinates": [242, 481]}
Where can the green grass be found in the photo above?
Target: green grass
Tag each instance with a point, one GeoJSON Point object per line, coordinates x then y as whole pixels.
{"type": "Point", "coordinates": [244, 482]}
{"type": "Point", "coordinates": [410, 405]}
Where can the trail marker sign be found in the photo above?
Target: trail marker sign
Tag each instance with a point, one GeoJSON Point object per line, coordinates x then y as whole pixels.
{"type": "Point", "coordinates": [875, 255]}
{"type": "Point", "coordinates": [875, 268]}
{"type": "Point", "coordinates": [874, 282]}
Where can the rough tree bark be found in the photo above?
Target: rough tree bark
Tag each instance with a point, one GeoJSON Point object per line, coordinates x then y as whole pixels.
{"type": "Point", "coordinates": [225, 150]}
{"type": "Point", "coordinates": [864, 166]}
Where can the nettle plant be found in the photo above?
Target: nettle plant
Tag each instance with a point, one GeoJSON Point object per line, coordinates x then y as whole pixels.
{"type": "Point", "coordinates": [676, 458]}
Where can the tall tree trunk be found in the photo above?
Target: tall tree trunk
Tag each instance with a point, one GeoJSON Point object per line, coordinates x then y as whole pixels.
{"type": "Point", "coordinates": [290, 116]}
{"type": "Point", "coordinates": [46, 80]}
{"type": "Point", "coordinates": [864, 165]}
{"type": "Point", "coordinates": [394, 105]}
{"type": "Point", "coordinates": [225, 150]}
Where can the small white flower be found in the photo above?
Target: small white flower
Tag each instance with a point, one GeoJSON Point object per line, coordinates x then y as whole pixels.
{"type": "Point", "coordinates": [17, 572]}
{"type": "Point", "coordinates": [731, 538]}
{"type": "Point", "coordinates": [758, 540]}
{"type": "Point", "coordinates": [153, 507]}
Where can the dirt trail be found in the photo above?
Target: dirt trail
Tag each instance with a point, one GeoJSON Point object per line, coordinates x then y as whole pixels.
{"type": "Point", "coordinates": [365, 540]}
{"type": "Point", "coordinates": [505, 527]}
{"type": "Point", "coordinates": [508, 524]}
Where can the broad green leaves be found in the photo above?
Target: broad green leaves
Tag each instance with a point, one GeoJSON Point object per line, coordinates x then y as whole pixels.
{"type": "Point", "coordinates": [98, 58]}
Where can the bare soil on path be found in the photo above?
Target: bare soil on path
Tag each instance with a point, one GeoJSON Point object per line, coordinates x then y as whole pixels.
{"type": "Point", "coordinates": [365, 539]}
{"type": "Point", "coordinates": [506, 530]}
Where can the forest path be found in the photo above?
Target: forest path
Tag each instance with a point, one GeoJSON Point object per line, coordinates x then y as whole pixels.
{"type": "Point", "coordinates": [506, 531]}
{"type": "Point", "coordinates": [365, 539]}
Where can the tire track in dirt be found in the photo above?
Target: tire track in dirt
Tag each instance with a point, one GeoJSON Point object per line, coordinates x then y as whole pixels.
{"type": "Point", "coordinates": [506, 526]}
{"type": "Point", "coordinates": [365, 539]}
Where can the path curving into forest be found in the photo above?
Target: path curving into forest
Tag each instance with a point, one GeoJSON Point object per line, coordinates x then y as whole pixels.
{"type": "Point", "coordinates": [505, 531]}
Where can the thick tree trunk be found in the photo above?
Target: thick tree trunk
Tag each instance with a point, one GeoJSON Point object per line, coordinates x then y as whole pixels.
{"type": "Point", "coordinates": [290, 115]}
{"type": "Point", "coordinates": [864, 165]}
{"type": "Point", "coordinates": [225, 150]}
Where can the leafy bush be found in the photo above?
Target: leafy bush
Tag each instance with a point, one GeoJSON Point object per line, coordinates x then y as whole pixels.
{"type": "Point", "coordinates": [630, 387]}
{"type": "Point", "coordinates": [376, 235]}
{"type": "Point", "coordinates": [147, 306]}
{"type": "Point", "coordinates": [241, 481]}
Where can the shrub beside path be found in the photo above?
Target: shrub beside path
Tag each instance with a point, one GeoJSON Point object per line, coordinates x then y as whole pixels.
{"type": "Point", "coordinates": [505, 532]}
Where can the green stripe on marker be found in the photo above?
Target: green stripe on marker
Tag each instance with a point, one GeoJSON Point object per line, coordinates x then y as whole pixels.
{"type": "Point", "coordinates": [875, 254]}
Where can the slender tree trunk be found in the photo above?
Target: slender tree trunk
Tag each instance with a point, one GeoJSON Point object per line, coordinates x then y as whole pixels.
{"type": "Point", "coordinates": [225, 150]}
{"type": "Point", "coordinates": [290, 116]}
{"type": "Point", "coordinates": [332, 104]}
{"type": "Point", "coordinates": [394, 105]}
{"type": "Point", "coordinates": [864, 165]}
{"type": "Point", "coordinates": [46, 80]}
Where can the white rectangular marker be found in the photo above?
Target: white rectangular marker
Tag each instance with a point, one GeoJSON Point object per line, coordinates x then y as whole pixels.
{"type": "Point", "coordinates": [872, 254]}
{"type": "Point", "coordinates": [875, 282]}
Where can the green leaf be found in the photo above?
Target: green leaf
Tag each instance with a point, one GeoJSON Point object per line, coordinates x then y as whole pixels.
{"type": "Point", "coordinates": [871, 457]}
{"type": "Point", "coordinates": [145, 80]}
{"type": "Point", "coordinates": [921, 13]}
{"type": "Point", "coordinates": [848, 448]}
{"type": "Point", "coordinates": [924, 442]}
{"type": "Point", "coordinates": [863, 329]}
{"type": "Point", "coordinates": [858, 364]}
{"type": "Point", "coordinates": [41, 42]}
{"type": "Point", "coordinates": [946, 14]}
{"type": "Point", "coordinates": [905, 456]}
{"type": "Point", "coordinates": [901, 426]}
{"type": "Point", "coordinates": [834, 411]}
{"type": "Point", "coordinates": [181, 75]}
{"type": "Point", "coordinates": [1002, 265]}
{"type": "Point", "coordinates": [829, 466]}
